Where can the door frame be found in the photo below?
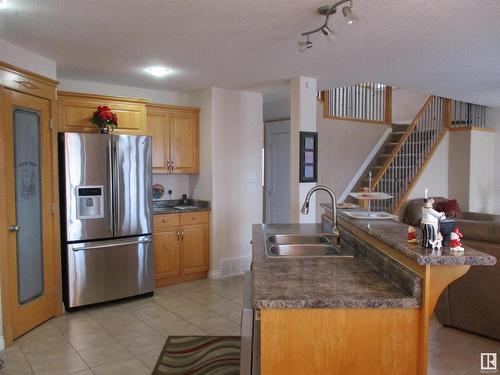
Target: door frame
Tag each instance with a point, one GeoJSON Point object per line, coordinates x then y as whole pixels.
{"type": "Point", "coordinates": [273, 127]}
{"type": "Point", "coordinates": [16, 79]}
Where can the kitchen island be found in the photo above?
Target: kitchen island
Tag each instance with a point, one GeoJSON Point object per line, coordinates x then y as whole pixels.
{"type": "Point", "coordinates": [367, 314]}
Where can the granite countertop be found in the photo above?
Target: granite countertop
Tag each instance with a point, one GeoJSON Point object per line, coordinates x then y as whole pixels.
{"type": "Point", "coordinates": [394, 233]}
{"type": "Point", "coordinates": [172, 210]}
{"type": "Point", "coordinates": [168, 206]}
{"type": "Point", "coordinates": [334, 282]}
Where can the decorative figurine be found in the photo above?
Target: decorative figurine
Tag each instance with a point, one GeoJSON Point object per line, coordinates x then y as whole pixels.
{"type": "Point", "coordinates": [412, 235]}
{"type": "Point", "coordinates": [455, 242]}
{"type": "Point", "coordinates": [438, 242]}
{"type": "Point", "coordinates": [430, 221]}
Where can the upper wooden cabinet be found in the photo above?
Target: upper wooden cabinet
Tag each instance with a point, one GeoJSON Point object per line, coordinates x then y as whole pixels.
{"type": "Point", "coordinates": [175, 133]}
{"type": "Point", "coordinates": [75, 112]}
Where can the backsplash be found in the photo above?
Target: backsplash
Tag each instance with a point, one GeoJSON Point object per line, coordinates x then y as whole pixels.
{"type": "Point", "coordinates": [179, 183]}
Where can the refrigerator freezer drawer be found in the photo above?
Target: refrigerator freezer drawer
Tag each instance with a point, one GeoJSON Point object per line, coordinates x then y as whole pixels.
{"type": "Point", "coordinates": [108, 270]}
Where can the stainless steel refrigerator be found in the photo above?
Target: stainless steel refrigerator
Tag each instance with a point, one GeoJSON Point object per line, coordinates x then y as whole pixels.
{"type": "Point", "coordinates": [106, 215]}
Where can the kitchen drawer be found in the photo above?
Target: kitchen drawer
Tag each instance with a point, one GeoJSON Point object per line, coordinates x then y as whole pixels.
{"type": "Point", "coordinates": [165, 221]}
{"type": "Point", "coordinates": [200, 217]}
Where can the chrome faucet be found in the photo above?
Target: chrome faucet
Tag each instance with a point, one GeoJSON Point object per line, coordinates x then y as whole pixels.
{"type": "Point", "coordinates": [305, 206]}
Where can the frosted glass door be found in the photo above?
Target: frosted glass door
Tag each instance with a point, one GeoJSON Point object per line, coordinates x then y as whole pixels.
{"type": "Point", "coordinates": [28, 205]}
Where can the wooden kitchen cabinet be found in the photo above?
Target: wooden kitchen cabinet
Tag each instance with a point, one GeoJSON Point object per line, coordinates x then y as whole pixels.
{"type": "Point", "coordinates": [181, 247]}
{"type": "Point", "coordinates": [166, 250]}
{"type": "Point", "coordinates": [194, 248]}
{"type": "Point", "coordinates": [75, 112]}
{"type": "Point", "coordinates": [175, 137]}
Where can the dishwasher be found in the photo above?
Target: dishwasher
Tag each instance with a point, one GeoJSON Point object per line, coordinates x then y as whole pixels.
{"type": "Point", "coordinates": [250, 331]}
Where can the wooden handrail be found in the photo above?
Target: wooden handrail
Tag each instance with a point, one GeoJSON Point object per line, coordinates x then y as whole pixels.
{"type": "Point", "coordinates": [408, 131]}
{"type": "Point", "coordinates": [413, 182]}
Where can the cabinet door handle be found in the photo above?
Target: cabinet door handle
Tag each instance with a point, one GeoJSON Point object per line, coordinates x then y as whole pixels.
{"type": "Point", "coordinates": [14, 228]}
{"type": "Point", "coordinates": [173, 165]}
{"type": "Point", "coordinates": [168, 165]}
{"type": "Point", "coordinates": [164, 220]}
{"type": "Point", "coordinates": [178, 235]}
{"type": "Point", "coordinates": [182, 235]}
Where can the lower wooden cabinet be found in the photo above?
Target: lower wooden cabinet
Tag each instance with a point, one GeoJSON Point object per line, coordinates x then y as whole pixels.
{"type": "Point", "coordinates": [181, 247]}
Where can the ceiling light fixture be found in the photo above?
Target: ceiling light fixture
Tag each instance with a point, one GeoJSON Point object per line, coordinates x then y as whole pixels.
{"type": "Point", "coordinates": [325, 29]}
{"type": "Point", "coordinates": [349, 16]}
{"type": "Point", "coordinates": [158, 71]}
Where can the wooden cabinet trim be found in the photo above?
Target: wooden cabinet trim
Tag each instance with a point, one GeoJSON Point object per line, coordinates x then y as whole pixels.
{"type": "Point", "coordinates": [101, 98]}
{"type": "Point", "coordinates": [192, 218]}
{"type": "Point", "coordinates": [165, 221]}
{"type": "Point", "coordinates": [75, 113]}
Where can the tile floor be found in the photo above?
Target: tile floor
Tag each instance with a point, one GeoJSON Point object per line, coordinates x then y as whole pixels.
{"type": "Point", "coordinates": [126, 337]}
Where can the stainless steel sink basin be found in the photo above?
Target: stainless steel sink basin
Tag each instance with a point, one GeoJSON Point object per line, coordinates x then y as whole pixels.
{"type": "Point", "coordinates": [304, 245]}
{"type": "Point", "coordinates": [291, 239]}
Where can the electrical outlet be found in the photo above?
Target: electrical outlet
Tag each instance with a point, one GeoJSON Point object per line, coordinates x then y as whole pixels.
{"type": "Point", "coordinates": [170, 191]}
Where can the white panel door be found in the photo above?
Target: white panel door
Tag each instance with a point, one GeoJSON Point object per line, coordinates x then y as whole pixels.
{"type": "Point", "coordinates": [277, 164]}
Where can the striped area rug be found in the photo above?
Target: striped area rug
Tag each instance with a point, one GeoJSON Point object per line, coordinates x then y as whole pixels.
{"type": "Point", "coordinates": [199, 355]}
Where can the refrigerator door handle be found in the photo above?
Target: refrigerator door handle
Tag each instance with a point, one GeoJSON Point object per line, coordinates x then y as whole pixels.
{"type": "Point", "coordinates": [92, 247]}
{"type": "Point", "coordinates": [109, 166]}
{"type": "Point", "coordinates": [116, 187]}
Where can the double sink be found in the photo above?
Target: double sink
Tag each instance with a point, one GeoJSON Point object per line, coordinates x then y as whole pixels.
{"type": "Point", "coordinates": [305, 245]}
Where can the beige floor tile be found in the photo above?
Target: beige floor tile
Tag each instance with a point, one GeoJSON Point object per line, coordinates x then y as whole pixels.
{"type": "Point", "coordinates": [62, 365]}
{"type": "Point", "coordinates": [129, 367]}
{"type": "Point", "coordinates": [180, 328]}
{"type": "Point", "coordinates": [83, 372]}
{"type": "Point", "coordinates": [15, 362]}
{"type": "Point", "coordinates": [142, 342]}
{"type": "Point", "coordinates": [91, 340]}
{"type": "Point", "coordinates": [45, 330]}
{"type": "Point", "coordinates": [41, 349]}
{"type": "Point", "coordinates": [79, 327]}
{"type": "Point", "coordinates": [106, 354]}
{"type": "Point", "coordinates": [150, 358]}
{"type": "Point", "coordinates": [215, 324]}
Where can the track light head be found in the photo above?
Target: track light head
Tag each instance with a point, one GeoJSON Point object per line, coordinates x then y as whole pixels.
{"type": "Point", "coordinates": [349, 15]}
{"type": "Point", "coordinates": [328, 32]}
{"type": "Point", "coordinates": [304, 45]}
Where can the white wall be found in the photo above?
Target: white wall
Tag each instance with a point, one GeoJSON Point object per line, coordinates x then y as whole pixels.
{"type": "Point", "coordinates": [178, 182]}
{"type": "Point", "coordinates": [231, 141]}
{"type": "Point", "coordinates": [435, 175]}
{"type": "Point", "coordinates": [493, 121]}
{"type": "Point", "coordinates": [237, 175]}
{"type": "Point", "coordinates": [155, 96]}
{"type": "Point", "coordinates": [201, 184]}
{"type": "Point", "coordinates": [277, 110]}
{"type": "Point", "coordinates": [405, 105]}
{"type": "Point", "coordinates": [28, 60]}
{"type": "Point", "coordinates": [482, 167]}
{"type": "Point", "coordinates": [343, 147]}
{"type": "Point", "coordinates": [302, 118]}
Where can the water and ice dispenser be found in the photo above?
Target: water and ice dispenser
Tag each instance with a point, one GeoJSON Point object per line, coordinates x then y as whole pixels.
{"type": "Point", "coordinates": [90, 202]}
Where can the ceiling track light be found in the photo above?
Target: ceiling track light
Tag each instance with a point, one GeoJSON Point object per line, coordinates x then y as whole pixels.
{"type": "Point", "coordinates": [325, 29]}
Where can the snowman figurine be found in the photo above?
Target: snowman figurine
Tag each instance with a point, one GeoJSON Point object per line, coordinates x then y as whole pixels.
{"type": "Point", "coordinates": [455, 240]}
{"type": "Point", "coordinates": [430, 221]}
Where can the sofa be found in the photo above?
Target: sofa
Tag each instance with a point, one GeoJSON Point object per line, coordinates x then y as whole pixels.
{"type": "Point", "coordinates": [472, 302]}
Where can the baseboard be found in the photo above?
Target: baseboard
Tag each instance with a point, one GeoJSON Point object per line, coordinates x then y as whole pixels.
{"type": "Point", "coordinates": [365, 164]}
{"type": "Point", "coordinates": [235, 266]}
{"type": "Point", "coordinates": [2, 343]}
{"type": "Point", "coordinates": [214, 275]}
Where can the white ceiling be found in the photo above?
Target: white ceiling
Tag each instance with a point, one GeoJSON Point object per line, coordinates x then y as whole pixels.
{"type": "Point", "coordinates": [445, 47]}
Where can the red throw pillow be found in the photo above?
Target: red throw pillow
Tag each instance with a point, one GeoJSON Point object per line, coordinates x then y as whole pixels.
{"type": "Point", "coordinates": [450, 208]}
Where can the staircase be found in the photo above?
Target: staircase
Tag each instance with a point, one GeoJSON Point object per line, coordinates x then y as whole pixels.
{"type": "Point", "coordinates": [379, 160]}
{"type": "Point", "coordinates": [397, 166]}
